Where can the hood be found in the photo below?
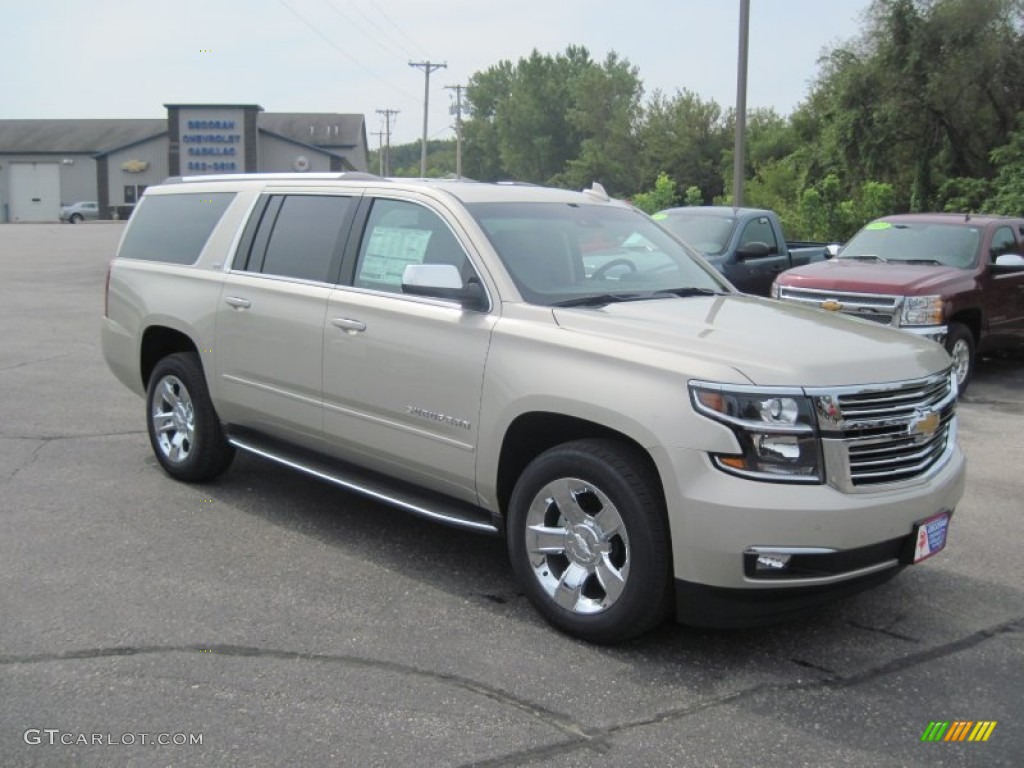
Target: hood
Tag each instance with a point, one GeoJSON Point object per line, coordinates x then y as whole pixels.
{"type": "Point", "coordinates": [856, 276]}
{"type": "Point", "coordinates": [768, 342]}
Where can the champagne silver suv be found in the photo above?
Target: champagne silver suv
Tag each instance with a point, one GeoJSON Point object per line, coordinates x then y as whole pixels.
{"type": "Point", "coordinates": [543, 365]}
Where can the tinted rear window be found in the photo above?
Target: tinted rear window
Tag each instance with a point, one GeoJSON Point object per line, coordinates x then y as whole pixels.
{"type": "Point", "coordinates": [173, 228]}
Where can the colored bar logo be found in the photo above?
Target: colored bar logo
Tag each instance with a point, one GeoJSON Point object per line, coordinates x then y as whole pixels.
{"type": "Point", "coordinates": [959, 730]}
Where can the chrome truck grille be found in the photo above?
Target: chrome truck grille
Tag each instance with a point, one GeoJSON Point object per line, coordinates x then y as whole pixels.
{"type": "Point", "coordinates": [876, 307]}
{"type": "Point", "coordinates": [886, 433]}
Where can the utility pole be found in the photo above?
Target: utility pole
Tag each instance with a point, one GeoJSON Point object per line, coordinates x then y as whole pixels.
{"type": "Point", "coordinates": [458, 127]}
{"type": "Point", "coordinates": [739, 152]}
{"type": "Point", "coordinates": [427, 68]}
{"type": "Point", "coordinates": [388, 113]}
{"type": "Point", "coordinates": [380, 151]}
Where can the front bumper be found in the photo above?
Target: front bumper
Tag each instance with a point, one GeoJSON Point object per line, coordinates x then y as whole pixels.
{"type": "Point", "coordinates": [936, 333]}
{"type": "Point", "coordinates": [717, 520]}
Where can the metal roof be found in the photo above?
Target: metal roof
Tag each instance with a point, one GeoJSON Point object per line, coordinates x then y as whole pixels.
{"type": "Point", "coordinates": [74, 136]}
{"type": "Point", "coordinates": [319, 129]}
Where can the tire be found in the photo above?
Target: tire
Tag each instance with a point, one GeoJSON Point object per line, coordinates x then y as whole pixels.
{"type": "Point", "coordinates": [184, 429]}
{"type": "Point", "coordinates": [960, 346]}
{"type": "Point", "coordinates": [76, 218]}
{"type": "Point", "coordinates": [602, 571]}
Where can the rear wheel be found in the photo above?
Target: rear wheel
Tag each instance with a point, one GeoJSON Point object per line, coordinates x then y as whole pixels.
{"type": "Point", "coordinates": [960, 345]}
{"type": "Point", "coordinates": [588, 539]}
{"type": "Point", "coordinates": [183, 426]}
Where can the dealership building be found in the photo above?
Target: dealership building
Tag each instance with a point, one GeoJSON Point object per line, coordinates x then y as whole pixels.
{"type": "Point", "coordinates": [48, 163]}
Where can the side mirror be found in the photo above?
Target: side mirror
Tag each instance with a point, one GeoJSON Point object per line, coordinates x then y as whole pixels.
{"type": "Point", "coordinates": [1009, 260]}
{"type": "Point", "coordinates": [832, 250]}
{"type": "Point", "coordinates": [753, 250]}
{"type": "Point", "coordinates": [442, 281]}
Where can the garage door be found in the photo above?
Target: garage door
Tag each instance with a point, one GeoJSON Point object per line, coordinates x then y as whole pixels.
{"type": "Point", "coordinates": [35, 191]}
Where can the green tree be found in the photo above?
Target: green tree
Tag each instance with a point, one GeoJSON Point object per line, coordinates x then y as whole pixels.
{"type": "Point", "coordinates": [662, 196]}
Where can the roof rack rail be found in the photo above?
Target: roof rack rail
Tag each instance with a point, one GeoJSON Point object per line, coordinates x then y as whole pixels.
{"type": "Point", "coordinates": [318, 176]}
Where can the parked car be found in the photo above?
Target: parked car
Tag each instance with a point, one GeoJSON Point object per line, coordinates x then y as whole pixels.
{"type": "Point", "coordinates": [744, 244]}
{"type": "Point", "coordinates": [645, 439]}
{"type": "Point", "coordinates": [957, 279]}
{"type": "Point", "coordinates": [78, 212]}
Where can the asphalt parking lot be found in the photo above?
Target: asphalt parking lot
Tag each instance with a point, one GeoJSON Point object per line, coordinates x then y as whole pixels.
{"type": "Point", "coordinates": [283, 622]}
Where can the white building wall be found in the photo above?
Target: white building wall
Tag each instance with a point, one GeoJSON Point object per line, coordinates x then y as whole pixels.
{"type": "Point", "coordinates": [153, 152]}
{"type": "Point", "coordinates": [77, 177]}
{"type": "Point", "coordinates": [277, 156]}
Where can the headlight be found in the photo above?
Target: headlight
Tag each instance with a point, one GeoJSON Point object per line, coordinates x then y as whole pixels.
{"type": "Point", "coordinates": [921, 310]}
{"type": "Point", "coordinates": [775, 428]}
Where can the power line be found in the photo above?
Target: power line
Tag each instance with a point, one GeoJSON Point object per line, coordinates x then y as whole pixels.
{"type": "Point", "coordinates": [352, 22]}
{"type": "Point", "coordinates": [398, 29]}
{"type": "Point", "coordinates": [343, 52]}
{"type": "Point", "coordinates": [427, 67]}
{"type": "Point", "coordinates": [383, 32]}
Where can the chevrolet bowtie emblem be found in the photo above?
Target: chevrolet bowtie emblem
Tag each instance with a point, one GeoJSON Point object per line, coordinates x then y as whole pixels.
{"type": "Point", "coordinates": [923, 426]}
{"type": "Point", "coordinates": [831, 305]}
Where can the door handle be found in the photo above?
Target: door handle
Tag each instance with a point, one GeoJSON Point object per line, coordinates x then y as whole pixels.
{"type": "Point", "coordinates": [348, 325]}
{"type": "Point", "coordinates": [237, 302]}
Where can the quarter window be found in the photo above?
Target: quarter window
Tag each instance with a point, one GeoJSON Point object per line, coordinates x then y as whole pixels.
{"type": "Point", "coordinates": [173, 228]}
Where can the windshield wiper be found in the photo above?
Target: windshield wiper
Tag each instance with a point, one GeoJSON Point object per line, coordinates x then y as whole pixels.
{"type": "Point", "coordinates": [918, 261]}
{"type": "Point", "coordinates": [867, 257]}
{"type": "Point", "coordinates": [602, 299]}
{"type": "Point", "coordinates": [687, 292]}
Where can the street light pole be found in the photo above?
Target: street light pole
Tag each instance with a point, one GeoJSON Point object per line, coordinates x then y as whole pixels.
{"type": "Point", "coordinates": [739, 151]}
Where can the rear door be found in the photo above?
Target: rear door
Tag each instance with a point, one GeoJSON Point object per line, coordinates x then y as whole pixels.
{"type": "Point", "coordinates": [270, 319]}
{"type": "Point", "coordinates": [403, 375]}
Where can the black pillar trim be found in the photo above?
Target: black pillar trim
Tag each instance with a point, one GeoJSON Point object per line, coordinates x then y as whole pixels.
{"type": "Point", "coordinates": [173, 142]}
{"type": "Point", "coordinates": [251, 154]}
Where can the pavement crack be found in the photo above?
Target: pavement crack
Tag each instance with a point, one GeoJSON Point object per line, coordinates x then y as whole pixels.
{"type": "Point", "coordinates": [882, 631]}
{"type": "Point", "coordinates": [30, 461]}
{"type": "Point", "coordinates": [575, 731]}
{"type": "Point", "coordinates": [34, 362]}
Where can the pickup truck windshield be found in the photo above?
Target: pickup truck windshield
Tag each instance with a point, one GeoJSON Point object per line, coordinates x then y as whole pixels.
{"type": "Point", "coordinates": [560, 252]}
{"type": "Point", "coordinates": [951, 245]}
{"type": "Point", "coordinates": [708, 234]}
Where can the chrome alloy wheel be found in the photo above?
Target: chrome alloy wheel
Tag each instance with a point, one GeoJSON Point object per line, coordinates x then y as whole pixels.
{"type": "Point", "coordinates": [961, 354]}
{"type": "Point", "coordinates": [174, 421]}
{"type": "Point", "coordinates": [577, 546]}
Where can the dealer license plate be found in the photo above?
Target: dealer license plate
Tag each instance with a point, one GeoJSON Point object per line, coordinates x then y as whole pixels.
{"type": "Point", "coordinates": [930, 536]}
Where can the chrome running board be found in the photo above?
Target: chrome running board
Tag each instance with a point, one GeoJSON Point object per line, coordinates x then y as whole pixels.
{"type": "Point", "coordinates": [418, 501]}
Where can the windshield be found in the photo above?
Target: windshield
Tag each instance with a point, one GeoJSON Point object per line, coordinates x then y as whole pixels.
{"type": "Point", "coordinates": [709, 234]}
{"type": "Point", "coordinates": [951, 245]}
{"type": "Point", "coordinates": [566, 252]}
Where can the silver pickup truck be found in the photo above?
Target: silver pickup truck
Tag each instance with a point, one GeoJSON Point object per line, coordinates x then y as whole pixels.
{"type": "Point", "coordinates": [544, 365]}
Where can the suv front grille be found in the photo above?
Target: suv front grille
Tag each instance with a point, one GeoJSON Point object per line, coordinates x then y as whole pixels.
{"type": "Point", "coordinates": [868, 306]}
{"type": "Point", "coordinates": [886, 433]}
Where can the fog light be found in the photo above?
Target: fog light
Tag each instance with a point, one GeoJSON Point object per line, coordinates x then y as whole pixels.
{"type": "Point", "coordinates": [774, 563]}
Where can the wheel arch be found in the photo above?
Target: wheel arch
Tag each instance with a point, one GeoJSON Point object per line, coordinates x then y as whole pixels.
{"type": "Point", "coordinates": [158, 341]}
{"type": "Point", "coordinates": [971, 318]}
{"type": "Point", "coordinates": [534, 432]}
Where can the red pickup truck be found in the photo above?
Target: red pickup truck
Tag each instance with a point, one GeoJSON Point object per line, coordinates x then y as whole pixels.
{"type": "Point", "coordinates": [954, 278]}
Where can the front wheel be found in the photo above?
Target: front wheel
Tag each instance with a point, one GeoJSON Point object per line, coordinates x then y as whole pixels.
{"type": "Point", "coordinates": [183, 426]}
{"type": "Point", "coordinates": [960, 346]}
{"type": "Point", "coordinates": [76, 218]}
{"type": "Point", "coordinates": [588, 540]}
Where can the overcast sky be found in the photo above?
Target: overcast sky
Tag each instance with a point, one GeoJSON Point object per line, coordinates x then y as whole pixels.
{"type": "Point", "coordinates": [127, 58]}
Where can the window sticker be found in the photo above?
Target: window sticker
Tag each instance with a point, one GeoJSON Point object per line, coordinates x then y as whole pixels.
{"type": "Point", "coordinates": [390, 250]}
